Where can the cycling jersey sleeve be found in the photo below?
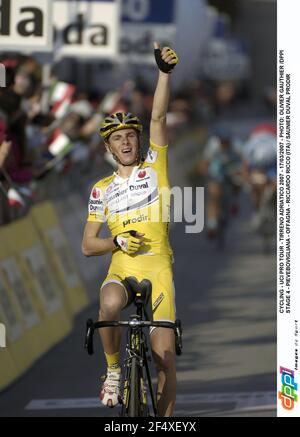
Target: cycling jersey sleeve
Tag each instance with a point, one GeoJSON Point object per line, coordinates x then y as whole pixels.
{"type": "Point", "coordinates": [157, 156]}
{"type": "Point", "coordinates": [97, 205]}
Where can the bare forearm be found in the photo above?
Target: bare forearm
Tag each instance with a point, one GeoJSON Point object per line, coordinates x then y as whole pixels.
{"type": "Point", "coordinates": [94, 246]}
{"type": "Point", "coordinates": [161, 96]}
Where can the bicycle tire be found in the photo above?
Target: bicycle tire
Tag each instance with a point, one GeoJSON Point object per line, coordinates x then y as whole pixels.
{"type": "Point", "coordinates": [178, 337]}
{"type": "Point", "coordinates": [134, 402]}
{"type": "Point", "coordinates": [88, 344]}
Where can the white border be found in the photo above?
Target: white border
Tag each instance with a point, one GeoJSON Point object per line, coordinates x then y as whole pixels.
{"type": "Point", "coordinates": [288, 40]}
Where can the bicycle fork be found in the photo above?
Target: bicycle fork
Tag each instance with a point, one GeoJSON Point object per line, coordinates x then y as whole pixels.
{"type": "Point", "coordinates": [137, 375]}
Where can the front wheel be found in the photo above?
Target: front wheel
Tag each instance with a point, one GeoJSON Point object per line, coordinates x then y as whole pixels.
{"type": "Point", "coordinates": [134, 401]}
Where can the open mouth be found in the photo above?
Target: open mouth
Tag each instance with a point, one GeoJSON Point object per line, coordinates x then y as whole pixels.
{"type": "Point", "coordinates": [126, 150]}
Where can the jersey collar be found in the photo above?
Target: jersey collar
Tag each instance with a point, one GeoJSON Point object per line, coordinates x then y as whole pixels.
{"type": "Point", "coordinates": [118, 179]}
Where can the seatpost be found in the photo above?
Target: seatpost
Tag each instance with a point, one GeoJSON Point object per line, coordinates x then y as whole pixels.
{"type": "Point", "coordinates": [139, 304]}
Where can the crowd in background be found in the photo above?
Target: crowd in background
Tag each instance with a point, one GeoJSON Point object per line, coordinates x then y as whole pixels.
{"type": "Point", "coordinates": [33, 116]}
{"type": "Point", "coordinates": [29, 124]}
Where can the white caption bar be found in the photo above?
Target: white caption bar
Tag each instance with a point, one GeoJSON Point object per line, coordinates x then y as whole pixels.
{"type": "Point", "coordinates": [288, 235]}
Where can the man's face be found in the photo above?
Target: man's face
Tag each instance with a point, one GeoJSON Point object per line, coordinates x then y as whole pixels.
{"type": "Point", "coordinates": [125, 145]}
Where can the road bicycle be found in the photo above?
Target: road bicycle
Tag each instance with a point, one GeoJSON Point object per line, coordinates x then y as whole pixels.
{"type": "Point", "coordinates": [137, 394]}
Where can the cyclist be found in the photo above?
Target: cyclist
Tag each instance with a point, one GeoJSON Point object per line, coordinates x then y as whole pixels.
{"type": "Point", "coordinates": [221, 166]}
{"type": "Point", "coordinates": [136, 198]}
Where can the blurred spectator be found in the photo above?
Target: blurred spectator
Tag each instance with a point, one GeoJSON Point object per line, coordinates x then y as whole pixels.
{"type": "Point", "coordinates": [221, 167]}
{"type": "Point", "coordinates": [260, 164]}
{"type": "Point", "coordinates": [270, 99]}
{"type": "Point", "coordinates": [82, 106]}
{"type": "Point", "coordinates": [10, 106]}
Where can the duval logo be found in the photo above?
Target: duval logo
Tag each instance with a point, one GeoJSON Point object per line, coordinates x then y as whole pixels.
{"type": "Point", "coordinates": [2, 335]}
{"type": "Point", "coordinates": [289, 387]}
{"type": "Point", "coordinates": [138, 187]}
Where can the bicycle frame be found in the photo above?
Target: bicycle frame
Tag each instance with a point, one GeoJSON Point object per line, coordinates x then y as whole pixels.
{"type": "Point", "coordinates": [137, 357]}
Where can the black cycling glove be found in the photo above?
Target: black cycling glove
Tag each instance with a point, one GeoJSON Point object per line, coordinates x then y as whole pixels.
{"type": "Point", "coordinates": [162, 65]}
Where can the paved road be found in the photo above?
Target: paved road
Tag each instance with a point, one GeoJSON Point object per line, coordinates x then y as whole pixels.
{"type": "Point", "coordinates": [227, 303]}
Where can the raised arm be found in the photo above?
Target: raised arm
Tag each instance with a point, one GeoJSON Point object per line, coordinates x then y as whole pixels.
{"type": "Point", "coordinates": [158, 125]}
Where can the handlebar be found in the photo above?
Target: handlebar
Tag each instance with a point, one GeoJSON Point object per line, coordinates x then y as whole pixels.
{"type": "Point", "coordinates": [134, 322]}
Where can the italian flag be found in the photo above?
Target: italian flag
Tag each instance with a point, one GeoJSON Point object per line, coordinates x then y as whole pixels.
{"type": "Point", "coordinates": [14, 198]}
{"type": "Point", "coordinates": [60, 144]}
{"type": "Point", "coordinates": [112, 103]}
{"type": "Point", "coordinates": [61, 95]}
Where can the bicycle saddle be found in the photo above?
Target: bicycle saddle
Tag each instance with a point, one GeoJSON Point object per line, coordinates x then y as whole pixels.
{"type": "Point", "coordinates": [133, 287]}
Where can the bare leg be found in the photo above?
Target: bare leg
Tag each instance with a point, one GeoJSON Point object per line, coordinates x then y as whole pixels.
{"type": "Point", "coordinates": [163, 348]}
{"type": "Point", "coordinates": [112, 300]}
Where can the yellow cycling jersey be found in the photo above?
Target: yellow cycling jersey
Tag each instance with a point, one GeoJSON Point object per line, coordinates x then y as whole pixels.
{"type": "Point", "coordinates": [140, 202]}
{"type": "Point", "coordinates": [158, 270]}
